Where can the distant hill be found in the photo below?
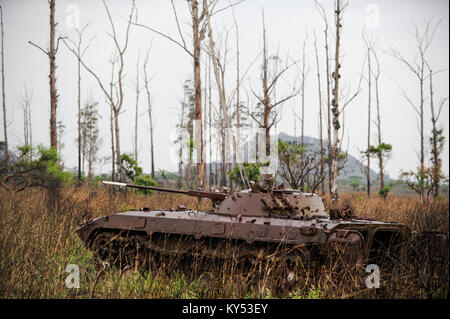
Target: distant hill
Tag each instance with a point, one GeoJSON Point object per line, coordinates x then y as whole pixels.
{"type": "Point", "coordinates": [352, 167]}
{"type": "Point", "coordinates": [12, 156]}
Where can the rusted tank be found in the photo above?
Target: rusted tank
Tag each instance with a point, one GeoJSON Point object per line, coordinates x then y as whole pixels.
{"type": "Point", "coordinates": [240, 226]}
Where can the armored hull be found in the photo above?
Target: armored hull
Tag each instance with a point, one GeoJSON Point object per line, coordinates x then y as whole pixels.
{"type": "Point", "coordinates": [242, 226]}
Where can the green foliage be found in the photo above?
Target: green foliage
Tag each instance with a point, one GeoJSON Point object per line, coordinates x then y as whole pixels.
{"type": "Point", "coordinates": [291, 152]}
{"type": "Point", "coordinates": [43, 170]}
{"type": "Point", "coordinates": [314, 293]}
{"type": "Point", "coordinates": [145, 180]}
{"type": "Point", "coordinates": [97, 179]}
{"type": "Point", "coordinates": [163, 174]}
{"type": "Point", "coordinates": [251, 171]}
{"type": "Point", "coordinates": [437, 143]}
{"type": "Point", "coordinates": [374, 151]}
{"type": "Point", "coordinates": [382, 148]}
{"type": "Point", "coordinates": [191, 147]}
{"type": "Point", "coordinates": [353, 181]}
{"type": "Point", "coordinates": [384, 192]}
{"type": "Point", "coordinates": [418, 179]}
{"type": "Point", "coordinates": [125, 207]}
{"type": "Point", "coordinates": [299, 165]}
{"type": "Point", "coordinates": [90, 140]}
{"type": "Point", "coordinates": [49, 159]}
{"type": "Point", "coordinates": [130, 167]}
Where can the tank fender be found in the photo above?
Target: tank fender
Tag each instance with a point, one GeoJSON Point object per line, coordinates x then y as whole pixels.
{"type": "Point", "coordinates": [348, 243]}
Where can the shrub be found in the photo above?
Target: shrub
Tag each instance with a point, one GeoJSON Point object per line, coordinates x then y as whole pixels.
{"type": "Point", "coordinates": [384, 192]}
{"type": "Point", "coordinates": [145, 180]}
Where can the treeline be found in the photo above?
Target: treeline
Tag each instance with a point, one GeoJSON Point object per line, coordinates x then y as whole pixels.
{"type": "Point", "coordinates": [209, 108]}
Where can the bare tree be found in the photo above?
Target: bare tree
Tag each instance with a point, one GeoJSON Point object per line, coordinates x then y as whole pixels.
{"type": "Point", "coordinates": [418, 68]}
{"type": "Point", "coordinates": [116, 99]}
{"type": "Point", "coordinates": [382, 150]}
{"type": "Point", "coordinates": [137, 90]}
{"type": "Point", "coordinates": [238, 108]}
{"type": "Point", "coordinates": [150, 113]}
{"type": "Point", "coordinates": [180, 139]}
{"type": "Point", "coordinates": [90, 132]}
{"type": "Point", "coordinates": [269, 82]}
{"type": "Point", "coordinates": [25, 100]}
{"type": "Point", "coordinates": [335, 103]}
{"type": "Point", "coordinates": [3, 95]}
{"type": "Point", "coordinates": [303, 74]}
{"type": "Point", "coordinates": [78, 47]}
{"type": "Point", "coordinates": [336, 110]}
{"type": "Point", "coordinates": [51, 53]}
{"type": "Point", "coordinates": [437, 139]}
{"type": "Point", "coordinates": [369, 46]}
{"type": "Point", "coordinates": [113, 60]}
{"type": "Point", "coordinates": [219, 68]}
{"type": "Point", "coordinates": [61, 129]}
{"type": "Point", "coordinates": [212, 177]}
{"type": "Point", "coordinates": [322, 12]}
{"type": "Point", "coordinates": [322, 170]}
{"type": "Point", "coordinates": [197, 34]}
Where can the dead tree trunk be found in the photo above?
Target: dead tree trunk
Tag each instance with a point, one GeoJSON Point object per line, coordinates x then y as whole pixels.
{"type": "Point", "coordinates": [266, 96]}
{"type": "Point", "coordinates": [335, 103]}
{"type": "Point", "coordinates": [211, 176]}
{"type": "Point", "coordinates": [322, 171]}
{"type": "Point", "coordinates": [302, 123]}
{"type": "Point", "coordinates": [201, 174]}
{"type": "Point", "coordinates": [136, 117]}
{"type": "Point", "coordinates": [219, 73]}
{"type": "Point", "coordinates": [51, 53]}
{"type": "Point", "coordinates": [327, 64]}
{"type": "Point", "coordinates": [80, 52]}
{"type": "Point", "coordinates": [436, 139]}
{"type": "Point", "coordinates": [269, 84]}
{"type": "Point", "coordinates": [111, 121]}
{"type": "Point", "coordinates": [368, 121]}
{"type": "Point", "coordinates": [26, 97]}
{"type": "Point", "coordinates": [115, 101]}
{"type": "Point", "coordinates": [150, 115]}
{"type": "Point", "coordinates": [377, 99]}
{"type": "Point", "coordinates": [434, 142]}
{"type": "Point", "coordinates": [423, 40]}
{"type": "Point", "coordinates": [5, 124]}
{"type": "Point", "coordinates": [53, 94]}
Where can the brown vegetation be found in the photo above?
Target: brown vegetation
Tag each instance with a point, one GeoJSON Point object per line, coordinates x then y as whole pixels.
{"type": "Point", "coordinates": [38, 242]}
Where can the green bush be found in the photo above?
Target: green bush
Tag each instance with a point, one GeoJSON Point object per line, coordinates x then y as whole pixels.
{"type": "Point", "coordinates": [251, 171]}
{"type": "Point", "coordinates": [384, 192]}
{"type": "Point", "coordinates": [130, 167]}
{"type": "Point", "coordinates": [145, 180]}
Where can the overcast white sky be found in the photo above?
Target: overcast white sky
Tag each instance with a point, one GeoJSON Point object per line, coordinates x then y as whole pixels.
{"type": "Point", "coordinates": [287, 23]}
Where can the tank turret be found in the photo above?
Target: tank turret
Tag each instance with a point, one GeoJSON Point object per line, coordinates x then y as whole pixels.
{"type": "Point", "coordinates": [258, 201]}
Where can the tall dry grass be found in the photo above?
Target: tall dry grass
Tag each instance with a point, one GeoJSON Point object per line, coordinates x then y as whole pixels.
{"type": "Point", "coordinates": [37, 242]}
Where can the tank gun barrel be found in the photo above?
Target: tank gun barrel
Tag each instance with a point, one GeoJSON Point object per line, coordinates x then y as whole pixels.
{"type": "Point", "coordinates": [202, 194]}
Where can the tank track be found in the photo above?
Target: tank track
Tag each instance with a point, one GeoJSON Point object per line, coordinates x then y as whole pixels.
{"type": "Point", "coordinates": [163, 252]}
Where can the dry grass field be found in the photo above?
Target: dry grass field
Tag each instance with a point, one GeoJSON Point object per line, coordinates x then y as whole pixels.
{"type": "Point", "coordinates": [37, 242]}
